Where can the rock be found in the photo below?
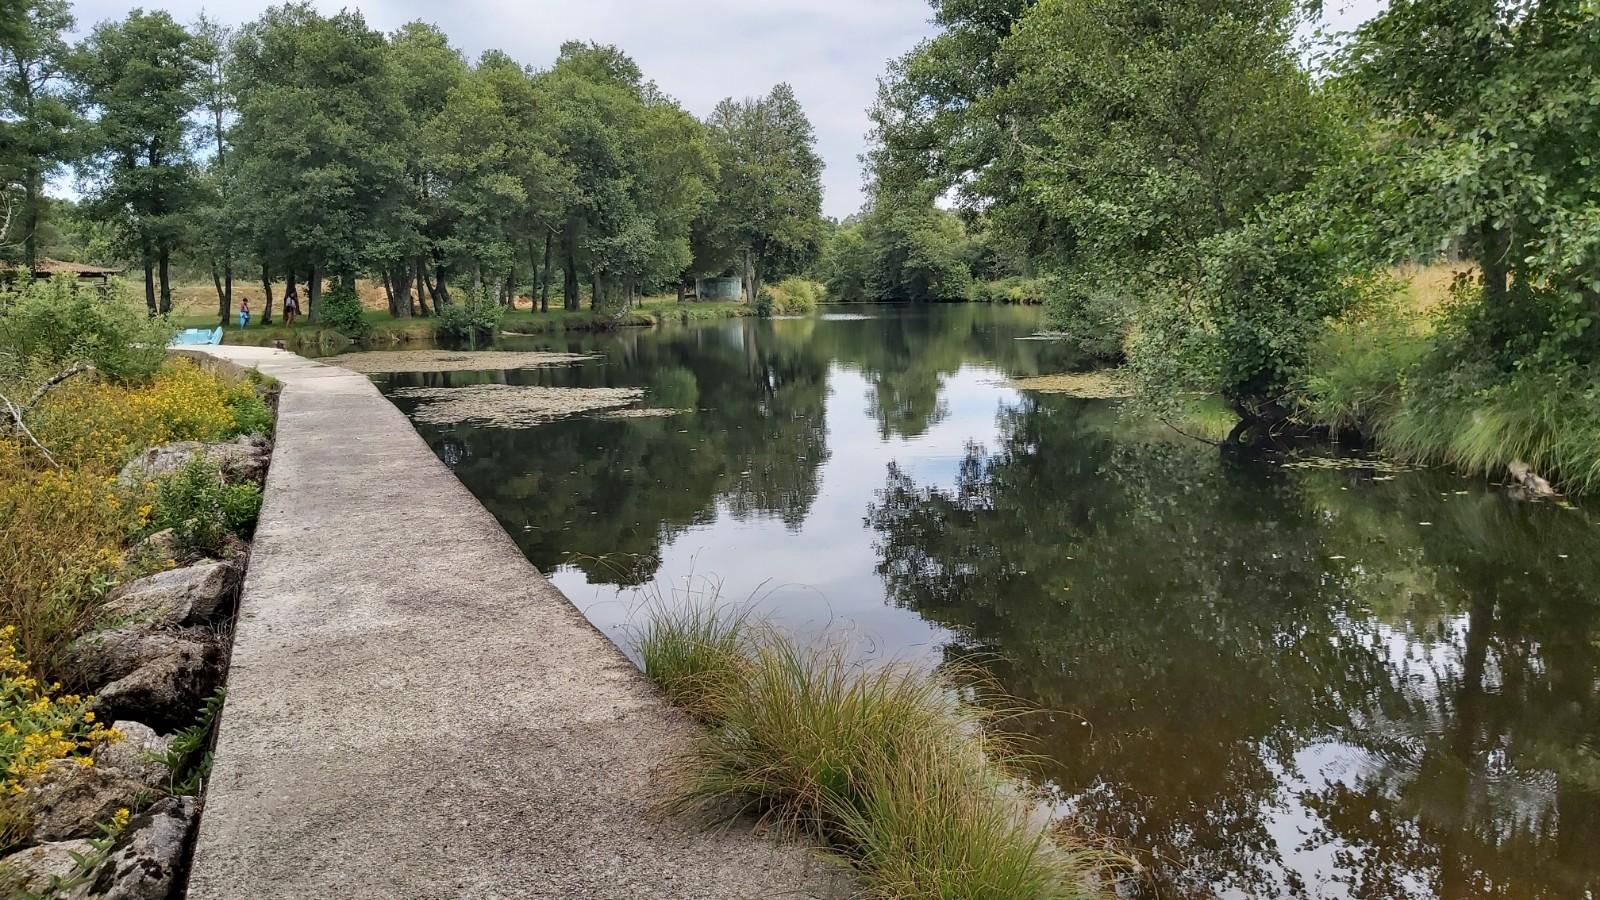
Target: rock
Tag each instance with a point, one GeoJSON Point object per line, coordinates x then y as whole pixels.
{"type": "Point", "coordinates": [157, 676]}
{"type": "Point", "coordinates": [145, 862]}
{"type": "Point", "coordinates": [31, 871]}
{"type": "Point", "coordinates": [244, 459]}
{"type": "Point", "coordinates": [1528, 483]}
{"type": "Point", "coordinates": [163, 545]}
{"type": "Point", "coordinates": [71, 800]}
{"type": "Point", "coordinates": [188, 596]}
{"type": "Point", "coordinates": [138, 755]}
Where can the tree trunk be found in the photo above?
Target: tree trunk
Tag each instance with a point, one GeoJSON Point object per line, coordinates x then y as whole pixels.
{"type": "Point", "coordinates": [30, 220]}
{"type": "Point", "coordinates": [166, 279]}
{"type": "Point", "coordinates": [149, 282]}
{"type": "Point", "coordinates": [441, 291]}
{"type": "Point", "coordinates": [388, 293]}
{"type": "Point", "coordinates": [749, 278]}
{"type": "Point", "coordinates": [266, 292]}
{"type": "Point", "coordinates": [544, 290]}
{"type": "Point", "coordinates": [422, 285]}
{"type": "Point", "coordinates": [597, 297]}
{"type": "Point", "coordinates": [477, 276]}
{"type": "Point", "coordinates": [314, 294]}
{"type": "Point", "coordinates": [569, 283]}
{"type": "Point", "coordinates": [402, 292]}
{"type": "Point", "coordinates": [683, 294]}
{"type": "Point", "coordinates": [223, 306]}
{"type": "Point", "coordinates": [291, 292]}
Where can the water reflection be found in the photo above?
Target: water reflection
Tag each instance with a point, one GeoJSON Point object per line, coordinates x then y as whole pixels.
{"type": "Point", "coordinates": [1269, 683]}
{"type": "Point", "coordinates": [1275, 684]}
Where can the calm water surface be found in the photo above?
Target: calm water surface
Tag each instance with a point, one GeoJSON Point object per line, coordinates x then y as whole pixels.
{"type": "Point", "coordinates": [1265, 681]}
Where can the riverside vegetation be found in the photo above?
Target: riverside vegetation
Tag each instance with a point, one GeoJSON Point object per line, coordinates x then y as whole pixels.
{"type": "Point", "coordinates": [888, 767]}
{"type": "Point", "coordinates": [117, 464]}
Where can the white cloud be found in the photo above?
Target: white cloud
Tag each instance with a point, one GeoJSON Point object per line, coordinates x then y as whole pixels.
{"type": "Point", "coordinates": [699, 51]}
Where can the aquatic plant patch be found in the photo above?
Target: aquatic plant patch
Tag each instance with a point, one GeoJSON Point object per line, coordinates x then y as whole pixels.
{"type": "Point", "coordinates": [380, 362]}
{"type": "Point", "coordinates": [647, 412]}
{"type": "Point", "coordinates": [512, 405]}
{"type": "Point", "coordinates": [1099, 385]}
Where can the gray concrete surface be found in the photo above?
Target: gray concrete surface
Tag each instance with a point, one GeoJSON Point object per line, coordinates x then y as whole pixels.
{"type": "Point", "coordinates": [414, 711]}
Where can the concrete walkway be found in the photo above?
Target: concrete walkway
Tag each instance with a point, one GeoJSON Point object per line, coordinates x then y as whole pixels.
{"type": "Point", "coordinates": [415, 712]}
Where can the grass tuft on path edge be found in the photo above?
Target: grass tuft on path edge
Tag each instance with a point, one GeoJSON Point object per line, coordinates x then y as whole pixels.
{"type": "Point", "coordinates": [885, 766]}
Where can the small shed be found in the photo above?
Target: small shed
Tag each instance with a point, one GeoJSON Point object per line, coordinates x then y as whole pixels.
{"type": "Point", "coordinates": [49, 268]}
{"type": "Point", "coordinates": [718, 288]}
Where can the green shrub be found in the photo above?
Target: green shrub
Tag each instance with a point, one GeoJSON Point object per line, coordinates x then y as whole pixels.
{"type": "Point", "coordinates": [1358, 367]}
{"type": "Point", "coordinates": [1012, 289]}
{"type": "Point", "coordinates": [341, 310]}
{"type": "Point", "coordinates": [250, 412]}
{"type": "Point", "coordinates": [474, 317]}
{"type": "Point", "coordinates": [792, 296]}
{"type": "Point", "coordinates": [202, 510]}
{"type": "Point", "coordinates": [51, 324]}
{"type": "Point", "coordinates": [886, 765]}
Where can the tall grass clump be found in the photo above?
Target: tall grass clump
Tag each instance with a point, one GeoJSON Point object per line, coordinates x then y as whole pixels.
{"type": "Point", "coordinates": [886, 765]}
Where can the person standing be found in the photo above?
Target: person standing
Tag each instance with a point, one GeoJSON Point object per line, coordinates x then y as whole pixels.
{"type": "Point", "coordinates": [244, 312]}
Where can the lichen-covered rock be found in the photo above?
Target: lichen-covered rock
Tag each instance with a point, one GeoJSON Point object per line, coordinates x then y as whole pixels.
{"type": "Point", "coordinates": [32, 871]}
{"type": "Point", "coordinates": [71, 801]}
{"type": "Point", "coordinates": [188, 596]}
{"type": "Point", "coordinates": [157, 676]}
{"type": "Point", "coordinates": [138, 755]}
{"type": "Point", "coordinates": [144, 863]}
{"type": "Point", "coordinates": [244, 459]}
{"type": "Point", "coordinates": [162, 545]}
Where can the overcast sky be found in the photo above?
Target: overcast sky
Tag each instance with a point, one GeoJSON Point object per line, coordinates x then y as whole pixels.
{"type": "Point", "coordinates": [699, 51]}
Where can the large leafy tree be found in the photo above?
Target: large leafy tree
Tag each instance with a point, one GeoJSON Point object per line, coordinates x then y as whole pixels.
{"type": "Point", "coordinates": [36, 117]}
{"type": "Point", "coordinates": [320, 164]}
{"type": "Point", "coordinates": [1488, 140]}
{"type": "Point", "coordinates": [139, 77]}
{"type": "Point", "coordinates": [768, 212]}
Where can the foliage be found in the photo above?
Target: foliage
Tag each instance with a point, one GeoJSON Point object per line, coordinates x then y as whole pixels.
{"type": "Point", "coordinates": [789, 297]}
{"type": "Point", "coordinates": [37, 728]}
{"type": "Point", "coordinates": [187, 760]}
{"type": "Point", "coordinates": [36, 114]}
{"type": "Point", "coordinates": [900, 250]}
{"type": "Point", "coordinates": [766, 217]}
{"type": "Point", "coordinates": [1011, 289]}
{"type": "Point", "coordinates": [1358, 365]}
{"type": "Point", "coordinates": [62, 530]}
{"type": "Point", "coordinates": [341, 311]}
{"type": "Point", "coordinates": [52, 324]}
{"type": "Point", "coordinates": [140, 77]}
{"type": "Point", "coordinates": [202, 509]}
{"type": "Point", "coordinates": [885, 764]}
{"type": "Point", "coordinates": [473, 317]}
{"type": "Point", "coordinates": [100, 425]}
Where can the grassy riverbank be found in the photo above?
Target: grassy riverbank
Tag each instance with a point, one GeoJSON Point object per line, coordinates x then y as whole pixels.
{"type": "Point", "coordinates": [885, 766]}
{"type": "Point", "coordinates": [385, 330]}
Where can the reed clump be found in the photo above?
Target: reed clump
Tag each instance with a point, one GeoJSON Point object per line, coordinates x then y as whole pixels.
{"type": "Point", "coordinates": [885, 765]}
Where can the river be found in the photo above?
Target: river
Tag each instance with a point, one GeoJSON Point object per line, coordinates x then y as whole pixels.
{"type": "Point", "coordinates": [1267, 677]}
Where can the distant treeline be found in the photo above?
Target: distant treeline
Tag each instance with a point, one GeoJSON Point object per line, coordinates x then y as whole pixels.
{"type": "Point", "coordinates": [310, 147]}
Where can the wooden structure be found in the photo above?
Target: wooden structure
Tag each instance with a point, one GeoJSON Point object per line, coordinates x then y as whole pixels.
{"type": "Point", "coordinates": [49, 268]}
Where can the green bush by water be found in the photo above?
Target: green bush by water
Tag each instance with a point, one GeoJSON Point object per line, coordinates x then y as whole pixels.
{"type": "Point", "coordinates": [885, 766]}
{"type": "Point", "coordinates": [341, 310]}
{"type": "Point", "coordinates": [792, 296]}
{"type": "Point", "coordinates": [202, 510]}
{"type": "Point", "coordinates": [473, 317]}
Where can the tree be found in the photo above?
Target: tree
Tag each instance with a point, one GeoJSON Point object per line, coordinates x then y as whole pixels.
{"type": "Point", "coordinates": [1487, 127]}
{"type": "Point", "coordinates": [139, 78]}
{"type": "Point", "coordinates": [768, 209]}
{"type": "Point", "coordinates": [214, 227]}
{"type": "Point", "coordinates": [36, 120]}
{"type": "Point", "coordinates": [320, 165]}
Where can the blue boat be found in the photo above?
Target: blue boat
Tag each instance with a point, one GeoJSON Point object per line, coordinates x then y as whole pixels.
{"type": "Point", "coordinates": [193, 336]}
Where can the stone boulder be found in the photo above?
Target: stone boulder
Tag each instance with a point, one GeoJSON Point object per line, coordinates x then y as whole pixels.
{"type": "Point", "coordinates": [192, 595]}
{"type": "Point", "coordinates": [33, 870]}
{"type": "Point", "coordinates": [145, 862]}
{"type": "Point", "coordinates": [157, 676]}
{"type": "Point", "coordinates": [138, 755]}
{"type": "Point", "coordinates": [163, 545]}
{"type": "Point", "coordinates": [244, 459]}
{"type": "Point", "coordinates": [71, 801]}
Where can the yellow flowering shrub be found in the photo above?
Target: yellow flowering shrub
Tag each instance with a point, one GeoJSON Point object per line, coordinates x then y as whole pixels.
{"type": "Point", "coordinates": [61, 539]}
{"type": "Point", "coordinates": [99, 423]}
{"type": "Point", "coordinates": [37, 728]}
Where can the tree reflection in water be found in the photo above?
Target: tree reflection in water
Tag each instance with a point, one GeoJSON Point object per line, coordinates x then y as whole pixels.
{"type": "Point", "coordinates": [1267, 684]}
